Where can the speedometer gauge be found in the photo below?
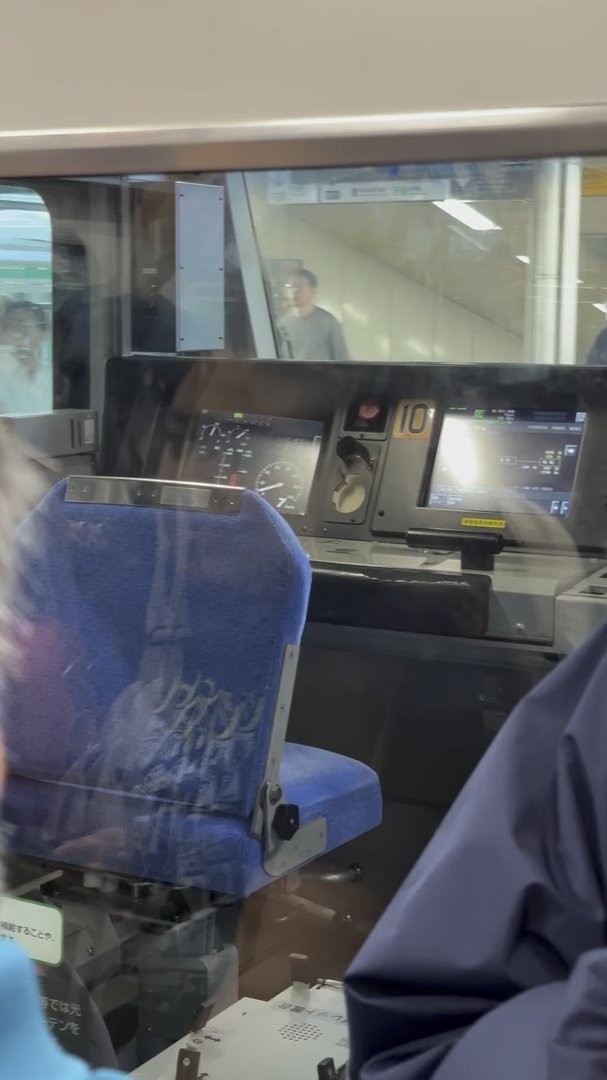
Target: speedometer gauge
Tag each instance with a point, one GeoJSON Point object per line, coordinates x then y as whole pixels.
{"type": "Point", "coordinates": [276, 456]}
{"type": "Point", "coordinates": [281, 484]}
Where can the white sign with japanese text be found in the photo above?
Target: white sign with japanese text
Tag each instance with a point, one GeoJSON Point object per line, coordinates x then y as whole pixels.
{"type": "Point", "coordinates": [37, 927]}
{"type": "Point", "coordinates": [433, 189]}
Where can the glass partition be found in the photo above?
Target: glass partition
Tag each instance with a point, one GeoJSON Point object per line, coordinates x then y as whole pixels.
{"type": "Point", "coordinates": [419, 264]}
{"type": "Point", "coordinates": [480, 262]}
{"type": "Point", "coordinates": [26, 285]}
{"type": "Point", "coordinates": [321, 501]}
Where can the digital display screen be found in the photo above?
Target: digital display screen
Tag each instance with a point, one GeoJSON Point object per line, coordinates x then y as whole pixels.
{"type": "Point", "coordinates": [272, 455]}
{"type": "Point", "coordinates": [499, 460]}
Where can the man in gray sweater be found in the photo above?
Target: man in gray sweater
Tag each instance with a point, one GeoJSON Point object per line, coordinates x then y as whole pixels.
{"type": "Point", "coordinates": [310, 332]}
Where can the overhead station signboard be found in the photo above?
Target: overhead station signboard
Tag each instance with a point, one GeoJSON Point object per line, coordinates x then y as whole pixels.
{"type": "Point", "coordinates": [387, 191]}
{"type": "Point", "coordinates": [282, 188]}
{"type": "Point", "coordinates": [367, 191]}
{"type": "Point", "coordinates": [404, 183]}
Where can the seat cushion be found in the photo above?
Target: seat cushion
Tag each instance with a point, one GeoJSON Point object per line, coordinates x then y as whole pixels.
{"type": "Point", "coordinates": [324, 784]}
{"type": "Point", "coordinates": [175, 843]}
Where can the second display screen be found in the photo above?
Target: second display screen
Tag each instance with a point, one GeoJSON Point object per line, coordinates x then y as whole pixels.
{"type": "Point", "coordinates": [521, 460]}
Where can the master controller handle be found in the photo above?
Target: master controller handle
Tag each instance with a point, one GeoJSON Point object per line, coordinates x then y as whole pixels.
{"type": "Point", "coordinates": [348, 449]}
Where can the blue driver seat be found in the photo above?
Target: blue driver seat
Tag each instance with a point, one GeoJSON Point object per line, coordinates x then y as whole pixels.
{"type": "Point", "coordinates": [157, 636]}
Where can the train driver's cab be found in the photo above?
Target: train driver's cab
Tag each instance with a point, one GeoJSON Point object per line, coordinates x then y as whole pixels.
{"type": "Point", "coordinates": [321, 497]}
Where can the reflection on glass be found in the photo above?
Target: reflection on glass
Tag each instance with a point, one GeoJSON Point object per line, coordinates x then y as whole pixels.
{"type": "Point", "coordinates": [150, 670]}
{"type": "Point", "coordinates": [26, 375]}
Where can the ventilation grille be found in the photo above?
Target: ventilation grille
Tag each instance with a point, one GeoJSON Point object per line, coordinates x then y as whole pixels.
{"type": "Point", "coordinates": [300, 1032]}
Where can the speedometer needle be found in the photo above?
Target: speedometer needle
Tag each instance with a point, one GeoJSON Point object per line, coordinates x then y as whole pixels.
{"type": "Point", "coordinates": [270, 487]}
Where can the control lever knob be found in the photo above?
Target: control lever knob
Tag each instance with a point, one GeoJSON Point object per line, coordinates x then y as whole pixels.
{"type": "Point", "coordinates": [286, 821]}
{"type": "Point", "coordinates": [348, 449]}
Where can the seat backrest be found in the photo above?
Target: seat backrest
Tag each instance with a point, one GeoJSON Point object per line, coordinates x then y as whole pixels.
{"type": "Point", "coordinates": [151, 645]}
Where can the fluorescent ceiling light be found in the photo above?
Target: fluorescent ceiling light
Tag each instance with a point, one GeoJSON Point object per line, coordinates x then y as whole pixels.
{"type": "Point", "coordinates": [601, 307]}
{"type": "Point", "coordinates": [466, 213]}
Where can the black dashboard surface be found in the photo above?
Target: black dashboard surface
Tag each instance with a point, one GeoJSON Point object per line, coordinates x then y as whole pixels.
{"type": "Point", "coordinates": [352, 450]}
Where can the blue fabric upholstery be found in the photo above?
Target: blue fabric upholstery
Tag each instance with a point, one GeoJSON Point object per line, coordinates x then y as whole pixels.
{"type": "Point", "coordinates": [139, 717]}
{"type": "Point", "coordinates": [173, 625]}
{"type": "Point", "coordinates": [164, 841]}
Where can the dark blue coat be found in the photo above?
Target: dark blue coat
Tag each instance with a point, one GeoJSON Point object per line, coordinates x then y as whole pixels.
{"type": "Point", "coordinates": [597, 356]}
{"type": "Point", "coordinates": [491, 961]}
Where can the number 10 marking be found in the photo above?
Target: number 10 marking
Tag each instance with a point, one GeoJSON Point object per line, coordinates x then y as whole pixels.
{"type": "Point", "coordinates": [413, 419]}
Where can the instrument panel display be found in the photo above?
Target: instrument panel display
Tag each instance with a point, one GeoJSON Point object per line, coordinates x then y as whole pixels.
{"type": "Point", "coordinates": [495, 460]}
{"type": "Point", "coordinates": [273, 455]}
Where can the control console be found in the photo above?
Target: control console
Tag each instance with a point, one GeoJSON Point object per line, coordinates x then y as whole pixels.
{"type": "Point", "coordinates": [430, 499]}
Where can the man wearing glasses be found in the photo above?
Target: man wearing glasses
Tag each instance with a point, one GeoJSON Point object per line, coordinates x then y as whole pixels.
{"type": "Point", "coordinates": [310, 332]}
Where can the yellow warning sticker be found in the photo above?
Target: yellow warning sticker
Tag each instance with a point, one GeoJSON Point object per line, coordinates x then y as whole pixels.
{"type": "Point", "coordinates": [484, 523]}
{"type": "Point", "coordinates": [594, 182]}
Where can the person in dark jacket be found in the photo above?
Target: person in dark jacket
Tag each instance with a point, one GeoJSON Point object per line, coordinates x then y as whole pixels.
{"type": "Point", "coordinates": [491, 961]}
{"type": "Point", "coordinates": [597, 356]}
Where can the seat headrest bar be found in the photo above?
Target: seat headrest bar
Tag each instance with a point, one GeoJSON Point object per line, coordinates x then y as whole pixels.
{"type": "Point", "coordinates": [163, 494]}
